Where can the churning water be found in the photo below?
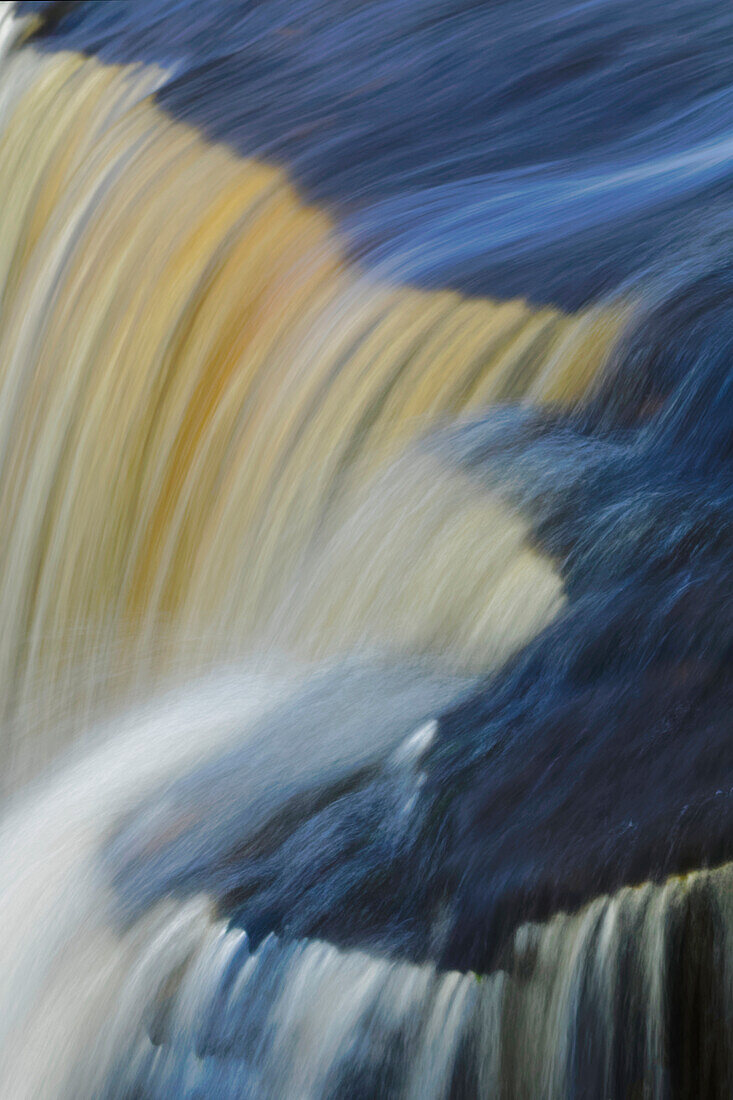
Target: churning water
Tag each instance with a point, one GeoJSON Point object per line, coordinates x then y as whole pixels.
{"type": "Point", "coordinates": [366, 556]}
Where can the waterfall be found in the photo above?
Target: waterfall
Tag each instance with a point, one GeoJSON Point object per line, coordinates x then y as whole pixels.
{"type": "Point", "coordinates": [366, 496]}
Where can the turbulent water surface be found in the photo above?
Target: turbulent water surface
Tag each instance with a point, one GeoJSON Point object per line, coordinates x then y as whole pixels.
{"type": "Point", "coordinates": [366, 570]}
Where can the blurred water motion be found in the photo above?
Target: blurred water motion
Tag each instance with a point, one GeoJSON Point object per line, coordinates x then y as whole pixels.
{"type": "Point", "coordinates": [366, 482]}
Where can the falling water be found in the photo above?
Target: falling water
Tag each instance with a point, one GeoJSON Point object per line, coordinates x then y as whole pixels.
{"type": "Point", "coordinates": [367, 543]}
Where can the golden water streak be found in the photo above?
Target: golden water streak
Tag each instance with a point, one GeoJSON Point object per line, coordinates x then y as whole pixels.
{"type": "Point", "coordinates": [196, 389]}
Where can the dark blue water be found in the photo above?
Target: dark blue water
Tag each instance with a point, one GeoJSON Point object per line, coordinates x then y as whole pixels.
{"type": "Point", "coordinates": [519, 147]}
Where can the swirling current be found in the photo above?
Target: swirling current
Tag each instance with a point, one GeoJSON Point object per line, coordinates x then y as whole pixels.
{"type": "Point", "coordinates": [366, 556]}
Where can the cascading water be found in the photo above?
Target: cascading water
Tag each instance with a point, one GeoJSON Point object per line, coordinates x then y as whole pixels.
{"type": "Point", "coordinates": [367, 549]}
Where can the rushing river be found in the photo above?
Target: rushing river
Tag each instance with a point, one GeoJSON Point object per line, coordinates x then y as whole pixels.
{"type": "Point", "coordinates": [366, 550]}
